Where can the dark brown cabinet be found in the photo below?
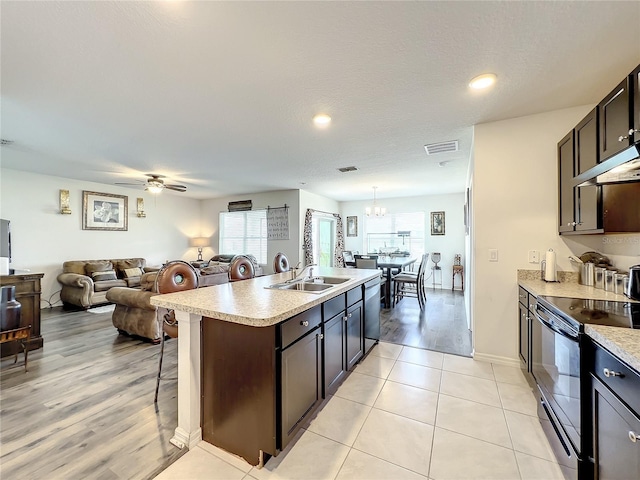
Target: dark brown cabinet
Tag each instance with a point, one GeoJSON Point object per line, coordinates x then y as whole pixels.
{"type": "Point", "coordinates": [615, 120]}
{"type": "Point", "coordinates": [301, 373]}
{"type": "Point", "coordinates": [526, 305]}
{"type": "Point", "coordinates": [580, 208]}
{"type": "Point", "coordinates": [616, 423]}
{"type": "Point", "coordinates": [28, 292]}
{"type": "Point", "coordinates": [635, 76]}
{"type": "Point", "coordinates": [343, 336]}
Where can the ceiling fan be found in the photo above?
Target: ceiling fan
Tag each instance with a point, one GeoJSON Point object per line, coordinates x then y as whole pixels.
{"type": "Point", "coordinates": [155, 184]}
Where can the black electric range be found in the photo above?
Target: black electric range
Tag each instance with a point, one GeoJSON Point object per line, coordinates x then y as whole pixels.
{"type": "Point", "coordinates": [580, 311]}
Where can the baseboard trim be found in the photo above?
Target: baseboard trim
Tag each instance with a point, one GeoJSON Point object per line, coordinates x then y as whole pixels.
{"type": "Point", "coordinates": [485, 357]}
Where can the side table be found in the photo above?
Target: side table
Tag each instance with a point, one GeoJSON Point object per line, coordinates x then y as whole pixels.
{"type": "Point", "coordinates": [457, 269]}
{"type": "Point", "coordinates": [28, 292]}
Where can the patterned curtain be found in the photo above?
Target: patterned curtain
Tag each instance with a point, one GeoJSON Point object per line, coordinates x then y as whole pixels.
{"type": "Point", "coordinates": [307, 238]}
{"type": "Point", "coordinates": [338, 260]}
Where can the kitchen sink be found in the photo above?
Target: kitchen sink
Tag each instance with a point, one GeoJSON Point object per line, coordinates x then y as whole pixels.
{"type": "Point", "coordinates": [311, 285]}
{"type": "Point", "coordinates": [329, 280]}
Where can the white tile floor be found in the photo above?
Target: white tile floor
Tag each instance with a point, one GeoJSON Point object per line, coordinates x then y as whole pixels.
{"type": "Point", "coordinates": [405, 413]}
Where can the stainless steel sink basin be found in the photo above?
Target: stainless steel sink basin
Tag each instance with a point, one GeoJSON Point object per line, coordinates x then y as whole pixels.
{"type": "Point", "coordinates": [308, 287]}
{"type": "Point", "coordinates": [329, 280]}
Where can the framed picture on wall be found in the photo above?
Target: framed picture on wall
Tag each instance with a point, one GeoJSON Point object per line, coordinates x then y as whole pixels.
{"type": "Point", "coordinates": [104, 211]}
{"type": "Point", "coordinates": [437, 223]}
{"type": "Point", "coordinates": [352, 226]}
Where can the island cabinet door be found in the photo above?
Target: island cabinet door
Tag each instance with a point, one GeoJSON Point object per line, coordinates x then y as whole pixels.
{"type": "Point", "coordinates": [355, 337]}
{"type": "Point", "coordinates": [301, 373]}
{"type": "Point", "coordinates": [616, 436]}
{"type": "Point", "coordinates": [335, 356]}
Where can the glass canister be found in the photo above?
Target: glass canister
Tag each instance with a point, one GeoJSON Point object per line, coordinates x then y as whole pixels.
{"type": "Point", "coordinates": [599, 276]}
{"type": "Point", "coordinates": [610, 280]}
{"type": "Point", "coordinates": [621, 279]}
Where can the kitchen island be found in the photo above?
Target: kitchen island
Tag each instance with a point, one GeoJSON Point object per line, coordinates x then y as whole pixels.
{"type": "Point", "coordinates": [254, 362]}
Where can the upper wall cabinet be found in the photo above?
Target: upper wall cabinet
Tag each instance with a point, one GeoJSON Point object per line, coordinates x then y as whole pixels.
{"type": "Point", "coordinates": [579, 208]}
{"type": "Point", "coordinates": [615, 120]}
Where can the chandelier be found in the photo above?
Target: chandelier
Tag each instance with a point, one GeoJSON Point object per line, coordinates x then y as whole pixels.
{"type": "Point", "coordinates": [375, 210]}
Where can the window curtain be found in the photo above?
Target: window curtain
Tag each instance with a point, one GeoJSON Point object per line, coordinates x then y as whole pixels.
{"type": "Point", "coordinates": [338, 261]}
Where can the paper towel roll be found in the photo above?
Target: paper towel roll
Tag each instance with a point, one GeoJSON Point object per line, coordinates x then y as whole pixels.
{"type": "Point", "coordinates": [550, 267]}
{"type": "Point", "coordinates": [4, 266]}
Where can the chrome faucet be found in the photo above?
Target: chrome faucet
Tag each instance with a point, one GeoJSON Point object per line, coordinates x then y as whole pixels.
{"type": "Point", "coordinates": [301, 275]}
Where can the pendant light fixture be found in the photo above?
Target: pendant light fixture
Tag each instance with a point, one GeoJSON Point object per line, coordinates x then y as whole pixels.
{"type": "Point", "coordinates": [375, 210]}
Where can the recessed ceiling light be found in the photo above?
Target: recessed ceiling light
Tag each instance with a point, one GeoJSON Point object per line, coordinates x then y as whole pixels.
{"type": "Point", "coordinates": [483, 81]}
{"type": "Point", "coordinates": [322, 120]}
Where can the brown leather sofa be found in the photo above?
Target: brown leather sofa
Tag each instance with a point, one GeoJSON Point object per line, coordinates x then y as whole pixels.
{"type": "Point", "coordinates": [85, 283]}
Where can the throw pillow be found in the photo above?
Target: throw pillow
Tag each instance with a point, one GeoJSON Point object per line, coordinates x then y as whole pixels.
{"type": "Point", "coordinates": [102, 276]}
{"type": "Point", "coordinates": [132, 272]}
{"type": "Point", "coordinates": [98, 267]}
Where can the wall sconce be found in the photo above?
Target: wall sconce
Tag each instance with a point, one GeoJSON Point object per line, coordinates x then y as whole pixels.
{"type": "Point", "coordinates": [140, 213]}
{"type": "Point", "coordinates": [65, 209]}
{"type": "Point", "coordinates": [199, 242]}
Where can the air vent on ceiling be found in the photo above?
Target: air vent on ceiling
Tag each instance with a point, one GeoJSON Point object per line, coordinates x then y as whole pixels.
{"type": "Point", "coordinates": [442, 147]}
{"type": "Point", "coordinates": [5, 142]}
{"type": "Point", "coordinates": [348, 169]}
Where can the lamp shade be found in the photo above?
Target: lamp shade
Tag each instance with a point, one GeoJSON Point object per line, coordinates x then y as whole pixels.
{"type": "Point", "coordinates": [199, 242]}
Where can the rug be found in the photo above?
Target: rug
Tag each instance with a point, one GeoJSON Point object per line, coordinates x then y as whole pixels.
{"type": "Point", "coordinates": [103, 309]}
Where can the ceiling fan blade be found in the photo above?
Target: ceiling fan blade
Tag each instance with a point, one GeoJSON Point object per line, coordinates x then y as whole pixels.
{"type": "Point", "coordinates": [177, 188]}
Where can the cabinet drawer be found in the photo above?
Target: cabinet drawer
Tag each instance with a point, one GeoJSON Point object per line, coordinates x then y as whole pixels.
{"type": "Point", "coordinates": [300, 325]}
{"type": "Point", "coordinates": [354, 295]}
{"type": "Point", "coordinates": [624, 381]}
{"type": "Point", "coordinates": [523, 297]}
{"type": "Point", "coordinates": [333, 307]}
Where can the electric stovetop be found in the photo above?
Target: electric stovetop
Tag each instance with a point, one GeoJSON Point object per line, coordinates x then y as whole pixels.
{"type": "Point", "coordinates": [599, 312]}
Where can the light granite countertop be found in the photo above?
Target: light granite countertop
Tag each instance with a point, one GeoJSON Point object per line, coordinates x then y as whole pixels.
{"type": "Point", "coordinates": [248, 302]}
{"type": "Point", "coordinates": [623, 343]}
{"type": "Point", "coordinates": [571, 290]}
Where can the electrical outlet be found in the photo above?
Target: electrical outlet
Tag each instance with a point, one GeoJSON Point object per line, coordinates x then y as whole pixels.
{"type": "Point", "coordinates": [534, 256]}
{"type": "Point", "coordinates": [493, 254]}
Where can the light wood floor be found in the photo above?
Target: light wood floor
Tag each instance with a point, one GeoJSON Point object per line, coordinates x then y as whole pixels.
{"type": "Point", "coordinates": [441, 326]}
{"type": "Point", "coordinates": [85, 409]}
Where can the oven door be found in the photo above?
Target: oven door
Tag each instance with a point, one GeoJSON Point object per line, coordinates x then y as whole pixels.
{"type": "Point", "coordinates": [556, 369]}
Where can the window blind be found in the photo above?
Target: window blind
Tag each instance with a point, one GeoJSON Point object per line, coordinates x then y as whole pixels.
{"type": "Point", "coordinates": [244, 232]}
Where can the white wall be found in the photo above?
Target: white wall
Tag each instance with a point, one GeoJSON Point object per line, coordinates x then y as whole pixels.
{"type": "Point", "coordinates": [448, 245]}
{"type": "Point", "coordinates": [297, 200]}
{"type": "Point", "coordinates": [42, 238]}
{"type": "Point", "coordinates": [515, 203]}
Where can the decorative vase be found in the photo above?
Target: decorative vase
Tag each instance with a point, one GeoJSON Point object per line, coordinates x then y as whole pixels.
{"type": "Point", "coordinates": [10, 309]}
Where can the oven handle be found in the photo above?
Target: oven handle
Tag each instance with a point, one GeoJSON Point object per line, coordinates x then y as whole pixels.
{"type": "Point", "coordinates": [555, 328]}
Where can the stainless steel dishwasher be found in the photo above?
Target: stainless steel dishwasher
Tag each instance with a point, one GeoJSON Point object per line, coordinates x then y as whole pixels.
{"type": "Point", "coordinates": [371, 313]}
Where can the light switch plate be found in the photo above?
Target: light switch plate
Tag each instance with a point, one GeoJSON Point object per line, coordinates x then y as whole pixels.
{"type": "Point", "coordinates": [534, 256]}
{"type": "Point", "coordinates": [493, 254]}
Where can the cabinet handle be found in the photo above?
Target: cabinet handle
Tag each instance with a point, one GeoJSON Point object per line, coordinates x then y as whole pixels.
{"type": "Point", "coordinates": [610, 373]}
{"type": "Point", "coordinates": [633, 130]}
{"type": "Point", "coordinates": [305, 323]}
{"type": "Point", "coordinates": [320, 336]}
{"type": "Point", "coordinates": [349, 315]}
{"type": "Point", "coordinates": [633, 436]}
{"type": "Point", "coordinates": [622, 138]}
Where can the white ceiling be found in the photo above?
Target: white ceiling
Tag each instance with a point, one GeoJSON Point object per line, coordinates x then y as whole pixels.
{"type": "Point", "coordinates": [219, 96]}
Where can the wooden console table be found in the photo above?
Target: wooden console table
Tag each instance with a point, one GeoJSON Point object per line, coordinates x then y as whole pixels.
{"type": "Point", "coordinates": [28, 292]}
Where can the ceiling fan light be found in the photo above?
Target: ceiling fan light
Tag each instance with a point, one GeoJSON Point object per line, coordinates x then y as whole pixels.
{"type": "Point", "coordinates": [154, 188]}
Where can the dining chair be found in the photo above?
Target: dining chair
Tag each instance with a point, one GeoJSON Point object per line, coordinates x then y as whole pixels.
{"type": "Point", "coordinates": [406, 284]}
{"type": "Point", "coordinates": [371, 262]}
{"type": "Point", "coordinates": [174, 276]}
{"type": "Point", "coordinates": [349, 260]}
{"type": "Point", "coordinates": [241, 268]}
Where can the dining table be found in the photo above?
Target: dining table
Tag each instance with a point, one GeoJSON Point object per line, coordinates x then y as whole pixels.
{"type": "Point", "coordinates": [389, 263]}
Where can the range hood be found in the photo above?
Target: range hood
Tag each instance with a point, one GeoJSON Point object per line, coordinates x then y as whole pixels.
{"type": "Point", "coordinates": [623, 167]}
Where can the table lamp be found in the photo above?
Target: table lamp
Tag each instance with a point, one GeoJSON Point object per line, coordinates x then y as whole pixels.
{"type": "Point", "coordinates": [200, 242]}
